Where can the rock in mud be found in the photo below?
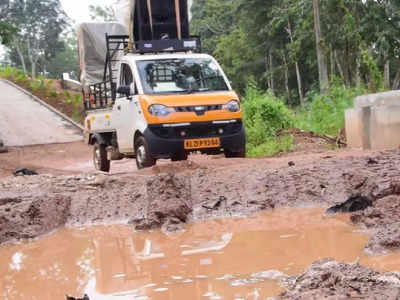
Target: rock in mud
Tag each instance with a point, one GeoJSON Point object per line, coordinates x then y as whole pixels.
{"type": "Point", "coordinates": [168, 197]}
{"type": "Point", "coordinates": [328, 279]}
{"type": "Point", "coordinates": [24, 218]}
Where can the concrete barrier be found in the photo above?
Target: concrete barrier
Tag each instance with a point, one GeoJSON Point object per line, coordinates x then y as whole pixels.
{"type": "Point", "coordinates": [70, 84]}
{"type": "Point", "coordinates": [374, 122]}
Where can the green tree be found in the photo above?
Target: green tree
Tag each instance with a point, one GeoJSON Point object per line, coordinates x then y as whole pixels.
{"type": "Point", "coordinates": [102, 13]}
{"type": "Point", "coordinates": [65, 61]}
{"type": "Point", "coordinates": [7, 31]}
{"type": "Point", "coordinates": [39, 24]}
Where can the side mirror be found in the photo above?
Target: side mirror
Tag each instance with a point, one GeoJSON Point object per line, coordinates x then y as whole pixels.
{"type": "Point", "coordinates": [124, 90]}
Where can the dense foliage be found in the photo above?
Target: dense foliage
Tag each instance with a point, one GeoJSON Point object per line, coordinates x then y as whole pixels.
{"type": "Point", "coordinates": [274, 42]}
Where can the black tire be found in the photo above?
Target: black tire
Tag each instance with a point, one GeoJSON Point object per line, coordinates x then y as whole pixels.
{"type": "Point", "coordinates": [143, 155]}
{"type": "Point", "coordinates": [240, 154]}
{"type": "Point", "coordinates": [101, 163]}
{"type": "Point", "coordinates": [179, 156]}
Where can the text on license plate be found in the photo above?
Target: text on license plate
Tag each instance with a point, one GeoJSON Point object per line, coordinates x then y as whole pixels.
{"type": "Point", "coordinates": [202, 143]}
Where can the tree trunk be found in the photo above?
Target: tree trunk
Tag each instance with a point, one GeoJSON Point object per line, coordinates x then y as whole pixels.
{"type": "Point", "coordinates": [396, 81]}
{"type": "Point", "coordinates": [286, 77]}
{"type": "Point", "coordinates": [322, 66]}
{"type": "Point", "coordinates": [358, 73]}
{"type": "Point", "coordinates": [332, 61]}
{"type": "Point", "coordinates": [298, 74]}
{"type": "Point", "coordinates": [33, 70]}
{"type": "Point", "coordinates": [271, 66]}
{"type": "Point", "coordinates": [21, 55]}
{"type": "Point", "coordinates": [268, 71]}
{"type": "Point", "coordinates": [339, 66]}
{"type": "Point", "coordinates": [387, 74]}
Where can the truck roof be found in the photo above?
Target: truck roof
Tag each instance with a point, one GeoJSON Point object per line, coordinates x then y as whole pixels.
{"type": "Point", "coordinates": [137, 57]}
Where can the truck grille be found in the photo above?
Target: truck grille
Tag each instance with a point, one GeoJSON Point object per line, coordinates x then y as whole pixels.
{"type": "Point", "coordinates": [197, 130]}
{"type": "Point", "coordinates": [195, 108]}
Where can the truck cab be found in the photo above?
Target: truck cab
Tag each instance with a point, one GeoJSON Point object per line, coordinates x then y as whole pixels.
{"type": "Point", "coordinates": [166, 106]}
{"type": "Point", "coordinates": [150, 93]}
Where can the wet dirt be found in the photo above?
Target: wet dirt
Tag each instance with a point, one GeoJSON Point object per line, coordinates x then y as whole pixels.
{"type": "Point", "coordinates": [248, 258]}
{"type": "Point", "coordinates": [194, 190]}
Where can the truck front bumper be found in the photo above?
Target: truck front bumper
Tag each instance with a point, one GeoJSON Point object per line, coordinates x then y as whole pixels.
{"type": "Point", "coordinates": [166, 140]}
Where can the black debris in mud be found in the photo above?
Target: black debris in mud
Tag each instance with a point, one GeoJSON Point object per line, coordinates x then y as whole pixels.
{"type": "Point", "coordinates": [3, 148]}
{"type": "Point", "coordinates": [353, 204]}
{"type": "Point", "coordinates": [86, 297]}
{"type": "Point", "coordinates": [328, 279]}
{"type": "Point", "coordinates": [25, 172]}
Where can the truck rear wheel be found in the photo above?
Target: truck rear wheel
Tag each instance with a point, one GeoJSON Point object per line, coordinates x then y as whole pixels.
{"type": "Point", "coordinates": [143, 155]}
{"type": "Point", "coordinates": [100, 160]}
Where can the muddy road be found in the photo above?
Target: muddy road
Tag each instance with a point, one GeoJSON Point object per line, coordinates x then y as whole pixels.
{"type": "Point", "coordinates": [68, 193]}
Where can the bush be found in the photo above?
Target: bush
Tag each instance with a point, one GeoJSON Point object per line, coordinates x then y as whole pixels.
{"type": "Point", "coordinates": [264, 116]}
{"type": "Point", "coordinates": [11, 73]}
{"type": "Point", "coordinates": [325, 114]}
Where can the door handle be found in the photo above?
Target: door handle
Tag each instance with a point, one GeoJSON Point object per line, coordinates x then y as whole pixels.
{"type": "Point", "coordinates": [119, 107]}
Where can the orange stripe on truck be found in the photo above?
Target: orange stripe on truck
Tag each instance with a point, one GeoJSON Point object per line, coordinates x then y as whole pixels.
{"type": "Point", "coordinates": [202, 99]}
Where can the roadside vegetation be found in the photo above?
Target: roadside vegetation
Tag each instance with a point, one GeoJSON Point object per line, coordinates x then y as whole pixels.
{"type": "Point", "coordinates": [48, 90]}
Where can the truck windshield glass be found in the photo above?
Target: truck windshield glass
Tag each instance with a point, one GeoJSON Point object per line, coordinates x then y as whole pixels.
{"type": "Point", "coordinates": [191, 75]}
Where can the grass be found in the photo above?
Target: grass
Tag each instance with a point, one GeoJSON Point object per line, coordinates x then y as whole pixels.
{"type": "Point", "coordinates": [266, 115]}
{"type": "Point", "coordinates": [325, 113]}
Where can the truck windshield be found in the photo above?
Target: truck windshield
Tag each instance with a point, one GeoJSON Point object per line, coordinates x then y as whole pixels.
{"type": "Point", "coordinates": [190, 75]}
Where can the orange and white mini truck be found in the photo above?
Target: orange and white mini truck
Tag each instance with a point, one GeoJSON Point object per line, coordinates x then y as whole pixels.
{"type": "Point", "coordinates": [161, 100]}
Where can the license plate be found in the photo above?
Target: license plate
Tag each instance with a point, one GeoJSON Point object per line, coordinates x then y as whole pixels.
{"type": "Point", "coordinates": [202, 143]}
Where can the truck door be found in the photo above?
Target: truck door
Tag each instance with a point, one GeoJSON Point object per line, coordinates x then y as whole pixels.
{"type": "Point", "coordinates": [126, 111]}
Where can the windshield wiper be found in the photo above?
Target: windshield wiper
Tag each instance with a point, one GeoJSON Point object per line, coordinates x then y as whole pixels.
{"type": "Point", "coordinates": [192, 91]}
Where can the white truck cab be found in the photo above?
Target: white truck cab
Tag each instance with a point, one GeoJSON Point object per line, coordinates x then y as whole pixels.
{"type": "Point", "coordinates": [150, 94]}
{"type": "Point", "coordinates": [166, 106]}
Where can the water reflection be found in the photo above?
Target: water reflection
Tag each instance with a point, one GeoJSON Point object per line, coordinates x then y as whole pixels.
{"type": "Point", "coordinates": [213, 260]}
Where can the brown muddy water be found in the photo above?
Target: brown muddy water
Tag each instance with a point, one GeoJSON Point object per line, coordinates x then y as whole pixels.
{"type": "Point", "coordinates": [220, 259]}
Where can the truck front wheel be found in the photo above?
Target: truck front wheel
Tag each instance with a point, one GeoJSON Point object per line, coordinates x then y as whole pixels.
{"type": "Point", "coordinates": [100, 160]}
{"type": "Point", "coordinates": [143, 155]}
{"type": "Point", "coordinates": [239, 154]}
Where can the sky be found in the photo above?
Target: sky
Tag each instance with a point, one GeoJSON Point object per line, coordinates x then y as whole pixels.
{"type": "Point", "coordinates": [78, 10]}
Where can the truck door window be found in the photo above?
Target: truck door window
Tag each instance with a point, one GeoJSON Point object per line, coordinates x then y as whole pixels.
{"type": "Point", "coordinates": [126, 75]}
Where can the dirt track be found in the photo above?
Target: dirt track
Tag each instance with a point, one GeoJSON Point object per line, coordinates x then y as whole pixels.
{"type": "Point", "coordinates": [204, 188]}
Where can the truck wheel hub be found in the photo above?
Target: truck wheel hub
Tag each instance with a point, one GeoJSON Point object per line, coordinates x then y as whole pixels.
{"type": "Point", "coordinates": [141, 154]}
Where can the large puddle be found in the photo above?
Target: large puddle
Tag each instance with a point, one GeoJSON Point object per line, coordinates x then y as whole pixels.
{"type": "Point", "coordinates": [222, 259]}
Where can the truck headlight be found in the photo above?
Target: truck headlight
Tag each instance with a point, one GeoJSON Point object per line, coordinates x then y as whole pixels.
{"type": "Point", "coordinates": [232, 106]}
{"type": "Point", "coordinates": [160, 110]}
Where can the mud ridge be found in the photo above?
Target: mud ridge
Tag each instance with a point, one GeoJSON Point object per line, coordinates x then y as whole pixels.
{"type": "Point", "coordinates": [181, 192]}
{"type": "Point", "coordinates": [328, 279]}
